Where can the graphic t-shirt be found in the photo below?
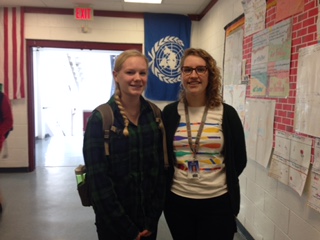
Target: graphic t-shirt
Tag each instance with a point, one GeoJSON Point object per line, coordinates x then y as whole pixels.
{"type": "Point", "coordinates": [212, 180]}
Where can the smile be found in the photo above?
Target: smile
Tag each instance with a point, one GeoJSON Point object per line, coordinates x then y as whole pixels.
{"type": "Point", "coordinates": [194, 82]}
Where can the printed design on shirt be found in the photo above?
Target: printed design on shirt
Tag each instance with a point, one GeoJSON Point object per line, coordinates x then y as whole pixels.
{"type": "Point", "coordinates": [208, 154]}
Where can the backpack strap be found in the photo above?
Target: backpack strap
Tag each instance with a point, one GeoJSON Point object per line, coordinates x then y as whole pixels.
{"type": "Point", "coordinates": [108, 119]}
{"type": "Point", "coordinates": [158, 117]}
{"type": "Point", "coordinates": [107, 122]}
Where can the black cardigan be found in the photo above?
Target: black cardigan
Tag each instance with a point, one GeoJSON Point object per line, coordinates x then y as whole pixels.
{"type": "Point", "coordinates": [234, 149]}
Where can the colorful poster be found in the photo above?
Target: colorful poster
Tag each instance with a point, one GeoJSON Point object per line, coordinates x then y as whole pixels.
{"type": "Point", "coordinates": [280, 36]}
{"type": "Point", "coordinates": [271, 54]}
{"type": "Point", "coordinates": [259, 56]}
{"type": "Point", "coordinates": [260, 48]}
{"type": "Point", "coordinates": [278, 84]}
{"type": "Point", "coordinates": [279, 59]}
{"type": "Point", "coordinates": [258, 80]}
{"type": "Point", "coordinates": [287, 8]}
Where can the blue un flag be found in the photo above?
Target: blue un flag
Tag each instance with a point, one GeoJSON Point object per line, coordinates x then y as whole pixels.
{"type": "Point", "coordinates": [166, 38]}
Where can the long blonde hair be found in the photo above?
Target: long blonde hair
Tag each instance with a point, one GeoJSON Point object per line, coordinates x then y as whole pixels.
{"type": "Point", "coordinates": [117, 67]}
{"type": "Point", "coordinates": [213, 91]}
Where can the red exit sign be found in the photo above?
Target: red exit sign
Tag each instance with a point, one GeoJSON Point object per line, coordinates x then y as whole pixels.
{"type": "Point", "coordinates": [83, 13]}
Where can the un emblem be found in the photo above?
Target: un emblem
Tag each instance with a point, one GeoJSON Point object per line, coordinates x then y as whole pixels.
{"type": "Point", "coordinates": [165, 59]}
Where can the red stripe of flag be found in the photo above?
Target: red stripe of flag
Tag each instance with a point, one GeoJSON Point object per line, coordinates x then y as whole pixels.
{"type": "Point", "coordinates": [14, 53]}
{"type": "Point", "coordinates": [5, 51]}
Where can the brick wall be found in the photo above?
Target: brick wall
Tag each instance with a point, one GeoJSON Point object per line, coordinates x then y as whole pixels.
{"type": "Point", "coordinates": [304, 33]}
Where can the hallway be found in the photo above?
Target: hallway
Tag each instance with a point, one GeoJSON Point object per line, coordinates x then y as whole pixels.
{"type": "Point", "coordinates": [44, 204]}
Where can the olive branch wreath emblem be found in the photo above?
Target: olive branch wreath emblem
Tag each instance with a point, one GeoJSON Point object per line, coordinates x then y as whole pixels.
{"type": "Point", "coordinates": [152, 55]}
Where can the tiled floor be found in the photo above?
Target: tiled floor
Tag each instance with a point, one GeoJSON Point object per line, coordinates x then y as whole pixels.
{"type": "Point", "coordinates": [44, 204]}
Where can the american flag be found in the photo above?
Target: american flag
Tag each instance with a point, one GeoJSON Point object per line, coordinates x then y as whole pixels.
{"type": "Point", "coordinates": [12, 53]}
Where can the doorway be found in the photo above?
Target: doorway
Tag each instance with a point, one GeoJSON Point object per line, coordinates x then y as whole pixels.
{"type": "Point", "coordinates": [66, 81]}
{"type": "Point", "coordinates": [68, 85]}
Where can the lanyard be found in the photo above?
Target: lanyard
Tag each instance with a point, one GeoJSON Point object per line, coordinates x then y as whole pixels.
{"type": "Point", "coordinates": [194, 148]}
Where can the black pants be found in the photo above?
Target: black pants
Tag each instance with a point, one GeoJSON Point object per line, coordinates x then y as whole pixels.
{"type": "Point", "coordinates": [200, 219]}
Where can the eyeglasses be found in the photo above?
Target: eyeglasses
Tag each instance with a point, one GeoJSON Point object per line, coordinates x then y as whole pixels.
{"type": "Point", "coordinates": [199, 70]}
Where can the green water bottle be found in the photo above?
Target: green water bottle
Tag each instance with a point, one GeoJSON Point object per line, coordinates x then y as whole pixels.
{"type": "Point", "coordinates": [80, 172]}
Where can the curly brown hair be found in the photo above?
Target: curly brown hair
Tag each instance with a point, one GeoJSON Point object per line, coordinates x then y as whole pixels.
{"type": "Point", "coordinates": [213, 91]}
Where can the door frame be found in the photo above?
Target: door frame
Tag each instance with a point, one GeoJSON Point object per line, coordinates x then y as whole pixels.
{"type": "Point", "coordinates": [30, 44]}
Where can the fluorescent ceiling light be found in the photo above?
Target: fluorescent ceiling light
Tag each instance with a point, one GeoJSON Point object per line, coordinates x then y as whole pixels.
{"type": "Point", "coordinates": [144, 1]}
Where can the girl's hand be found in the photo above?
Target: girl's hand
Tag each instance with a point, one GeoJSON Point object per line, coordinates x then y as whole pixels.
{"type": "Point", "coordinates": [144, 233]}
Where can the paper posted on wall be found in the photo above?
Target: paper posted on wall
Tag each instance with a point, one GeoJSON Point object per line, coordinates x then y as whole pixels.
{"type": "Point", "coordinates": [314, 193]}
{"type": "Point", "coordinates": [291, 160]}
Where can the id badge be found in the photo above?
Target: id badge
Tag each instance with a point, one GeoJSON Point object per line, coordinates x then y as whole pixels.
{"type": "Point", "coordinates": [193, 170]}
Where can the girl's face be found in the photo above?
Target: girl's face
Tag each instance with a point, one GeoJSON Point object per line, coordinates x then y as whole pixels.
{"type": "Point", "coordinates": [195, 75]}
{"type": "Point", "coordinates": [133, 76]}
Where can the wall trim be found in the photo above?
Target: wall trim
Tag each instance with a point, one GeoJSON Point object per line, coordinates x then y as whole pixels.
{"type": "Point", "coordinates": [14, 170]}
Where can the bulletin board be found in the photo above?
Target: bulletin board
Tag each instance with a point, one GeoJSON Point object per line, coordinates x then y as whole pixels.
{"type": "Point", "coordinates": [298, 26]}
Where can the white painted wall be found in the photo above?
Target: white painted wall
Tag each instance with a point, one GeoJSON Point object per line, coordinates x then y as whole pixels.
{"type": "Point", "coordinates": [269, 210]}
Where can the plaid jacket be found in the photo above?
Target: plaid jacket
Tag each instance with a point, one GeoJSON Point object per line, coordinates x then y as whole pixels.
{"type": "Point", "coordinates": [127, 187]}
